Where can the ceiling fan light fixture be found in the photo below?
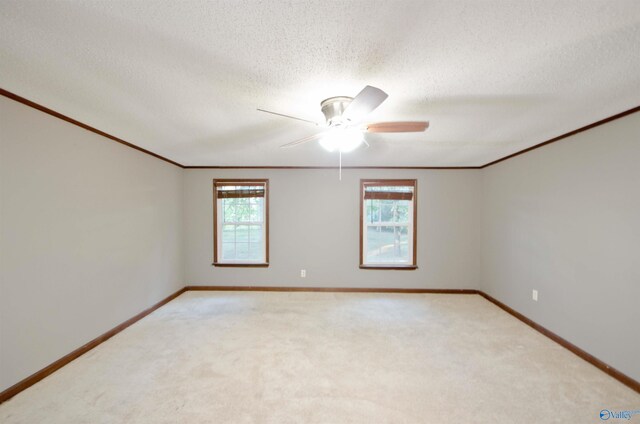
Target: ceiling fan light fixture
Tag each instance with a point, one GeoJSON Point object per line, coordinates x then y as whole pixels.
{"type": "Point", "coordinates": [342, 139]}
{"type": "Point", "coordinates": [344, 116]}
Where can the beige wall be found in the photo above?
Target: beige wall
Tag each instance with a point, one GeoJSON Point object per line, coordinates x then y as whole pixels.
{"type": "Point", "coordinates": [314, 225]}
{"type": "Point", "coordinates": [565, 220]}
{"type": "Point", "coordinates": [90, 235]}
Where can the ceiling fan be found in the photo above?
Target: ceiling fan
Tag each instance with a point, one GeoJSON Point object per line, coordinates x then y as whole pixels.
{"type": "Point", "coordinates": [344, 121]}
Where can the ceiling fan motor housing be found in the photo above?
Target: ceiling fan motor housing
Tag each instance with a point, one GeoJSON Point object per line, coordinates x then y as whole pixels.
{"type": "Point", "coordinates": [333, 108]}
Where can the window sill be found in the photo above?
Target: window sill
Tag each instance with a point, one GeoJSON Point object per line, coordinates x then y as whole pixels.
{"type": "Point", "coordinates": [390, 267]}
{"type": "Point", "coordinates": [241, 265]}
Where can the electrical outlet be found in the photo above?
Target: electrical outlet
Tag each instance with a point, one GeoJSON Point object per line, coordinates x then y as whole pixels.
{"type": "Point", "coordinates": [534, 295]}
{"type": "Point", "coordinates": [303, 273]}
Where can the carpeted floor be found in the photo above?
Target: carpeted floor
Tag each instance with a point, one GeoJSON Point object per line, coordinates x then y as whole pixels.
{"type": "Point", "coordinates": [251, 357]}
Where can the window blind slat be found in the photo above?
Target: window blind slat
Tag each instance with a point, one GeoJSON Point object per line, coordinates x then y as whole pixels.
{"type": "Point", "coordinates": [239, 184]}
{"type": "Point", "coordinates": [236, 194]}
{"type": "Point", "coordinates": [390, 183]}
{"type": "Point", "coordinates": [388, 195]}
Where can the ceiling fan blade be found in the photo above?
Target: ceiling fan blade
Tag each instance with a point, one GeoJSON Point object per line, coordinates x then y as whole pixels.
{"type": "Point", "coordinates": [397, 127]}
{"type": "Point", "coordinates": [364, 103]}
{"type": "Point", "coordinates": [301, 141]}
{"type": "Point", "coordinates": [288, 116]}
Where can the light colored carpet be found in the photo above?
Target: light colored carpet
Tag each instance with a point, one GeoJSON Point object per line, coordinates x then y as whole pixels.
{"type": "Point", "coordinates": [250, 357]}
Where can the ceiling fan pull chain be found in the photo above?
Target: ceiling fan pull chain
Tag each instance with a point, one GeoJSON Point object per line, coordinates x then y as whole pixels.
{"type": "Point", "coordinates": [340, 172]}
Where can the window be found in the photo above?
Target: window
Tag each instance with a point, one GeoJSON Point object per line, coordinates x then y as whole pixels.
{"type": "Point", "coordinates": [241, 222]}
{"type": "Point", "coordinates": [388, 224]}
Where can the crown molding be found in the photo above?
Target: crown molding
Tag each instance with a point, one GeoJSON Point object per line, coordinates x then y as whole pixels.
{"type": "Point", "coordinates": [77, 123]}
{"type": "Point", "coordinates": [565, 135]}
{"type": "Point", "coordinates": [82, 125]}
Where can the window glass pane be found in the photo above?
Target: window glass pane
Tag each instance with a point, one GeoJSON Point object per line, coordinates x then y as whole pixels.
{"type": "Point", "coordinates": [255, 233]}
{"type": "Point", "coordinates": [387, 244]}
{"type": "Point", "coordinates": [256, 251]}
{"type": "Point", "coordinates": [234, 209]}
{"type": "Point", "coordinates": [228, 208]}
{"type": "Point", "coordinates": [242, 210]}
{"type": "Point", "coordinates": [256, 210]}
{"type": "Point", "coordinates": [242, 251]}
{"type": "Point", "coordinates": [387, 210]}
{"type": "Point", "coordinates": [373, 207]}
{"type": "Point", "coordinates": [401, 212]}
{"type": "Point", "coordinates": [228, 251]}
{"type": "Point", "coordinates": [242, 233]}
{"type": "Point", "coordinates": [228, 233]}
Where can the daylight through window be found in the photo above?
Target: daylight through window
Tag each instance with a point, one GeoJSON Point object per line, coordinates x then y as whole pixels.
{"type": "Point", "coordinates": [241, 227]}
{"type": "Point", "coordinates": [388, 224]}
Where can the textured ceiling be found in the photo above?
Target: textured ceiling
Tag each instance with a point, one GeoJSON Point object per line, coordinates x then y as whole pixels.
{"type": "Point", "coordinates": [184, 78]}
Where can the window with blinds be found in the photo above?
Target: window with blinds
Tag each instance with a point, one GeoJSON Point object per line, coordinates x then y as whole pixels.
{"type": "Point", "coordinates": [241, 228]}
{"type": "Point", "coordinates": [388, 224]}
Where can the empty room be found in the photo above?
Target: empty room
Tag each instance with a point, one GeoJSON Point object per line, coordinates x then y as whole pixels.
{"type": "Point", "coordinates": [348, 211]}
